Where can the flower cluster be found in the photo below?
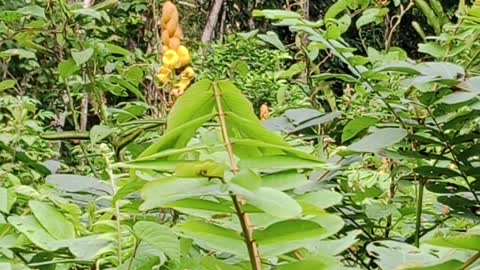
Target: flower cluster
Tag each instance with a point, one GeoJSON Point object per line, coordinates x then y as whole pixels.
{"type": "Point", "coordinates": [175, 56]}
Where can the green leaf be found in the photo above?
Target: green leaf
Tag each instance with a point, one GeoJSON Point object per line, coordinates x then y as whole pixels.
{"type": "Point", "coordinates": [114, 49]}
{"type": "Point", "coordinates": [196, 103]}
{"type": "Point", "coordinates": [140, 263]}
{"type": "Point", "coordinates": [200, 204]}
{"type": "Point", "coordinates": [466, 241]}
{"type": "Point", "coordinates": [81, 57]}
{"type": "Point", "coordinates": [322, 199]}
{"type": "Point", "coordinates": [279, 162]}
{"type": "Point", "coordinates": [235, 104]}
{"type": "Point", "coordinates": [129, 188]}
{"type": "Point", "coordinates": [356, 126]}
{"type": "Point", "coordinates": [272, 38]}
{"type": "Point", "coordinates": [160, 192]}
{"type": "Point", "coordinates": [178, 137]}
{"type": "Point", "coordinates": [435, 172]}
{"type": "Point", "coordinates": [7, 84]}
{"type": "Point", "coordinates": [31, 228]}
{"type": "Point", "coordinates": [333, 76]}
{"type": "Point", "coordinates": [285, 236]}
{"type": "Point", "coordinates": [371, 15]}
{"type": "Point", "coordinates": [379, 139]}
{"type": "Point", "coordinates": [315, 122]}
{"type": "Point", "coordinates": [284, 180]}
{"type": "Point", "coordinates": [271, 201]}
{"type": "Point", "coordinates": [432, 49]}
{"type": "Point", "coordinates": [160, 237]}
{"type": "Point", "coordinates": [335, 247]}
{"type": "Point", "coordinates": [317, 263]}
{"type": "Point", "coordinates": [86, 248]}
{"type": "Point", "coordinates": [21, 53]}
{"type": "Point", "coordinates": [449, 265]}
{"type": "Point", "coordinates": [458, 97]}
{"type": "Point", "coordinates": [378, 210]}
{"type": "Point", "coordinates": [214, 237]}
{"type": "Point", "coordinates": [33, 10]}
{"type": "Point", "coordinates": [52, 220]}
{"type": "Point", "coordinates": [7, 199]}
{"type": "Point", "coordinates": [276, 14]}
{"type": "Point", "coordinates": [247, 179]}
{"type": "Point", "coordinates": [67, 68]}
{"type": "Point", "coordinates": [292, 71]}
{"type": "Point", "coordinates": [99, 132]}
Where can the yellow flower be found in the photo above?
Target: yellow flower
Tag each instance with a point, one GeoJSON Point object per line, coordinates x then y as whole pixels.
{"type": "Point", "coordinates": [188, 73]}
{"type": "Point", "coordinates": [170, 59]}
{"type": "Point", "coordinates": [180, 87]}
{"type": "Point", "coordinates": [164, 75]}
{"type": "Point", "coordinates": [184, 56]}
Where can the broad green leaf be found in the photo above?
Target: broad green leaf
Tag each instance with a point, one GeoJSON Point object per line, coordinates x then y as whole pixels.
{"type": "Point", "coordinates": [356, 126]}
{"type": "Point", "coordinates": [88, 247]}
{"type": "Point", "coordinates": [317, 263]}
{"type": "Point", "coordinates": [81, 57]}
{"type": "Point", "coordinates": [292, 71]}
{"type": "Point", "coordinates": [432, 49]}
{"type": "Point", "coordinates": [247, 179]}
{"type": "Point", "coordinates": [52, 220]}
{"type": "Point", "coordinates": [7, 199]}
{"type": "Point", "coordinates": [285, 236]}
{"type": "Point", "coordinates": [67, 68]}
{"type": "Point", "coordinates": [315, 122]}
{"type": "Point", "coordinates": [211, 263]}
{"type": "Point", "coordinates": [213, 237]}
{"type": "Point", "coordinates": [379, 139]}
{"type": "Point", "coordinates": [449, 265]}
{"type": "Point", "coordinates": [335, 247]}
{"type": "Point", "coordinates": [322, 199]}
{"type": "Point", "coordinates": [378, 210]}
{"type": "Point", "coordinates": [114, 49]}
{"type": "Point", "coordinates": [99, 132]}
{"type": "Point", "coordinates": [160, 192]}
{"type": "Point", "coordinates": [284, 180]}
{"type": "Point", "coordinates": [158, 236]}
{"type": "Point", "coordinates": [140, 263]}
{"type": "Point", "coordinates": [466, 241]}
{"type": "Point", "coordinates": [21, 53]}
{"type": "Point", "coordinates": [178, 137]}
{"type": "Point", "coordinates": [276, 14]}
{"type": "Point", "coordinates": [129, 188]}
{"type": "Point", "coordinates": [235, 102]}
{"type": "Point", "coordinates": [33, 11]}
{"type": "Point", "coordinates": [200, 204]}
{"type": "Point", "coordinates": [272, 38]}
{"type": "Point", "coordinates": [196, 103]}
{"type": "Point", "coordinates": [435, 172]}
{"type": "Point", "coordinates": [77, 183]}
{"type": "Point", "coordinates": [371, 15]}
{"type": "Point", "coordinates": [458, 97]}
{"type": "Point", "coordinates": [333, 76]}
{"type": "Point", "coordinates": [7, 84]}
{"type": "Point", "coordinates": [271, 201]}
{"type": "Point", "coordinates": [442, 70]}
{"type": "Point", "coordinates": [397, 255]}
{"type": "Point", "coordinates": [279, 162]}
{"type": "Point", "coordinates": [287, 149]}
{"type": "Point", "coordinates": [31, 228]}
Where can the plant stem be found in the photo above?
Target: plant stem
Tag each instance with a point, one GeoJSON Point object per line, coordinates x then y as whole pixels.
{"type": "Point", "coordinates": [470, 261]}
{"type": "Point", "coordinates": [244, 218]}
{"type": "Point", "coordinates": [117, 208]}
{"type": "Point", "coordinates": [418, 216]}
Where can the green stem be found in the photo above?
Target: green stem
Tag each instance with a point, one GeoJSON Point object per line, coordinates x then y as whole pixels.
{"type": "Point", "coordinates": [117, 208]}
{"type": "Point", "coordinates": [418, 216]}
{"type": "Point", "coordinates": [244, 218]}
{"type": "Point", "coordinates": [470, 261]}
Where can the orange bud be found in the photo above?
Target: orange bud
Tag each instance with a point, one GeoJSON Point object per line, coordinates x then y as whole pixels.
{"type": "Point", "coordinates": [264, 113]}
{"type": "Point", "coordinates": [169, 12]}
{"type": "Point", "coordinates": [174, 43]}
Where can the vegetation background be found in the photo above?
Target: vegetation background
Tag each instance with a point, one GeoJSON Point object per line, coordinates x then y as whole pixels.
{"type": "Point", "coordinates": [130, 135]}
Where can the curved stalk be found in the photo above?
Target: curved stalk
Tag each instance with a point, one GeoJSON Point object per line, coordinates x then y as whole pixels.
{"type": "Point", "coordinates": [244, 218]}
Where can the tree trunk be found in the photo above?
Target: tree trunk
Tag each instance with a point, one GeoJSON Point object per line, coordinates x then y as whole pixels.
{"type": "Point", "coordinates": [212, 21]}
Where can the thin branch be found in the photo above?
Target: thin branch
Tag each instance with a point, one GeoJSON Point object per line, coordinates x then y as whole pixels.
{"type": "Point", "coordinates": [244, 218]}
{"type": "Point", "coordinates": [470, 261]}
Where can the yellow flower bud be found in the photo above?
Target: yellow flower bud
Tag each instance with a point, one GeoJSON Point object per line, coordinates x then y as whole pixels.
{"type": "Point", "coordinates": [170, 59]}
{"type": "Point", "coordinates": [188, 73]}
{"type": "Point", "coordinates": [184, 56]}
{"type": "Point", "coordinates": [180, 87]}
{"type": "Point", "coordinates": [164, 75]}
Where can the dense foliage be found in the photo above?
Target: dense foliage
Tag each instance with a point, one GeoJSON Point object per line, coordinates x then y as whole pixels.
{"type": "Point", "coordinates": [120, 151]}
